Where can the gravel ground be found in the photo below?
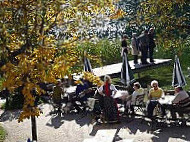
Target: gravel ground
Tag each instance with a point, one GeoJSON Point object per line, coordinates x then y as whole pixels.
{"type": "Point", "coordinates": [74, 128]}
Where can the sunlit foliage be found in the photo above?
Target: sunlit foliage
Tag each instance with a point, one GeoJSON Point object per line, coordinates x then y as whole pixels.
{"type": "Point", "coordinates": [38, 40]}
{"type": "Point", "coordinates": [171, 19]}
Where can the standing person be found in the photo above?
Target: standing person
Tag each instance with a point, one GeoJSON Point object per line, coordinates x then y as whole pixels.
{"type": "Point", "coordinates": [155, 93]}
{"type": "Point", "coordinates": [124, 45]}
{"type": "Point", "coordinates": [152, 44]}
{"type": "Point", "coordinates": [135, 49]}
{"type": "Point", "coordinates": [108, 90]}
{"type": "Point", "coordinates": [143, 46]}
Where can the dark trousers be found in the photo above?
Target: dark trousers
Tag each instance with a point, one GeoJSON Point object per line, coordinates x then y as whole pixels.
{"type": "Point", "coordinates": [76, 106]}
{"type": "Point", "coordinates": [151, 106]}
{"type": "Point", "coordinates": [131, 107]}
{"type": "Point", "coordinates": [151, 51]}
{"type": "Point", "coordinates": [135, 59]}
{"type": "Point", "coordinates": [173, 109]}
{"type": "Point", "coordinates": [144, 52]}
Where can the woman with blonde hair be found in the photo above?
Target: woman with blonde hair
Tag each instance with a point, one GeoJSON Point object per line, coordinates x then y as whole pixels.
{"type": "Point", "coordinates": [110, 109]}
{"type": "Point", "coordinates": [155, 93]}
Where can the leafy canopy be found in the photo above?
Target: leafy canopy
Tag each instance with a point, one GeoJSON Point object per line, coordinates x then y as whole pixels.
{"type": "Point", "coordinates": [38, 40]}
{"type": "Point", "coordinates": [170, 17]}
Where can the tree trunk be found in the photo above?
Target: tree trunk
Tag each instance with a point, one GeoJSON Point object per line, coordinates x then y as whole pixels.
{"type": "Point", "coordinates": [34, 129]}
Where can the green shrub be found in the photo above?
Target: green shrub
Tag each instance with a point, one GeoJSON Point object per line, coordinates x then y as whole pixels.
{"type": "Point", "coordinates": [106, 51]}
{"type": "Point", "coordinates": [2, 134]}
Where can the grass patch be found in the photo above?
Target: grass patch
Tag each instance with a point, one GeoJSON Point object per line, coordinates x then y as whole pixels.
{"type": "Point", "coordinates": [163, 75]}
{"type": "Point", "coordinates": [2, 134]}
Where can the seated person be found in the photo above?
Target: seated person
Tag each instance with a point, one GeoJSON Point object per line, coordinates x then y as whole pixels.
{"type": "Point", "coordinates": [138, 91]}
{"type": "Point", "coordinates": [57, 92]}
{"type": "Point", "coordinates": [155, 93]}
{"type": "Point", "coordinates": [180, 95]}
{"type": "Point", "coordinates": [83, 92]}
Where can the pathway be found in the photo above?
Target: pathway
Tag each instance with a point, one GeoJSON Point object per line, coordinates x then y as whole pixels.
{"type": "Point", "coordinates": [74, 128]}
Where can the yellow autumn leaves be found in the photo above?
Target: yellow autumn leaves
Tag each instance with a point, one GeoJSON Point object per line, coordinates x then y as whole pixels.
{"type": "Point", "coordinates": [48, 54]}
{"type": "Point", "coordinates": [118, 14]}
{"type": "Point", "coordinates": [95, 80]}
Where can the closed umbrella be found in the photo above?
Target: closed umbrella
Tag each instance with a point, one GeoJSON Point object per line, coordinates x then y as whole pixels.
{"type": "Point", "coordinates": [127, 76]}
{"type": "Point", "coordinates": [178, 77]}
{"type": "Point", "coordinates": [87, 65]}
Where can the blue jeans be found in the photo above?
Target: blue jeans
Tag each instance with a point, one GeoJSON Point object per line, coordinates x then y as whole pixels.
{"type": "Point", "coordinates": [152, 104]}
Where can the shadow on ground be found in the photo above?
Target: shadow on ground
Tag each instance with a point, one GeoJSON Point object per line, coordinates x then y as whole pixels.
{"type": "Point", "coordinates": [9, 115]}
{"type": "Point", "coordinates": [165, 134]}
{"type": "Point", "coordinates": [81, 119]}
{"type": "Point", "coordinates": [136, 125]}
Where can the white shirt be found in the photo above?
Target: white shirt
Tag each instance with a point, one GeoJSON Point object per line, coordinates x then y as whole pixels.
{"type": "Point", "coordinates": [180, 96]}
{"type": "Point", "coordinates": [136, 93]}
{"type": "Point", "coordinates": [112, 88]}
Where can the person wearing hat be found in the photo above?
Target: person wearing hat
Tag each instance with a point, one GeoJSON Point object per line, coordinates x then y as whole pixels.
{"type": "Point", "coordinates": [135, 48]}
{"type": "Point", "coordinates": [110, 109]}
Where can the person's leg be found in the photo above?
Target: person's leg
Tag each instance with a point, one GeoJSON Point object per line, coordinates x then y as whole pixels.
{"type": "Point", "coordinates": [151, 50]}
{"type": "Point", "coordinates": [181, 114]}
{"type": "Point", "coordinates": [135, 59]}
{"type": "Point", "coordinates": [173, 113]}
{"type": "Point", "coordinates": [143, 56]}
{"type": "Point", "coordinates": [132, 109]}
{"type": "Point", "coordinates": [76, 106]}
{"type": "Point", "coordinates": [127, 106]}
{"type": "Point", "coordinates": [151, 107]}
{"type": "Point", "coordinates": [163, 110]}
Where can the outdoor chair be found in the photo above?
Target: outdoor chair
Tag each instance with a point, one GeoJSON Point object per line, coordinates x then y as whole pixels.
{"type": "Point", "coordinates": [184, 108]}
{"type": "Point", "coordinates": [57, 105]}
{"type": "Point", "coordinates": [139, 103]}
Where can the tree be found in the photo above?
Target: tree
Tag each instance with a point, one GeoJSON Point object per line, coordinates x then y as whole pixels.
{"type": "Point", "coordinates": [170, 18]}
{"type": "Point", "coordinates": [32, 48]}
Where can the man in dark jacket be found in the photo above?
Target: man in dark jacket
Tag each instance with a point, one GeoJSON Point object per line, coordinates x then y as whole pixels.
{"type": "Point", "coordinates": [152, 44]}
{"type": "Point", "coordinates": [143, 46]}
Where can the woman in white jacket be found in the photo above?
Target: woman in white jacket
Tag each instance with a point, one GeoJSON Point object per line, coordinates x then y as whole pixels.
{"type": "Point", "coordinates": [135, 49]}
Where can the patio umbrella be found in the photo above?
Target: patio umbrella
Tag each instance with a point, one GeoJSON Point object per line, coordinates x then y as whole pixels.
{"type": "Point", "coordinates": [178, 77]}
{"type": "Point", "coordinates": [87, 65]}
{"type": "Point", "coordinates": [126, 72]}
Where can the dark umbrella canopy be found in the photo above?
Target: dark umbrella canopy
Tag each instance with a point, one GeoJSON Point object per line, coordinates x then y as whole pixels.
{"type": "Point", "coordinates": [178, 77]}
{"type": "Point", "coordinates": [127, 76]}
{"type": "Point", "coordinates": [87, 65]}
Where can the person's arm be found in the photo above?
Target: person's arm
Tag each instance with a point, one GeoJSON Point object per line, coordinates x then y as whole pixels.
{"type": "Point", "coordinates": [112, 87]}
{"type": "Point", "coordinates": [100, 90]}
{"type": "Point", "coordinates": [162, 95]}
{"type": "Point", "coordinates": [149, 94]}
{"type": "Point", "coordinates": [176, 99]}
